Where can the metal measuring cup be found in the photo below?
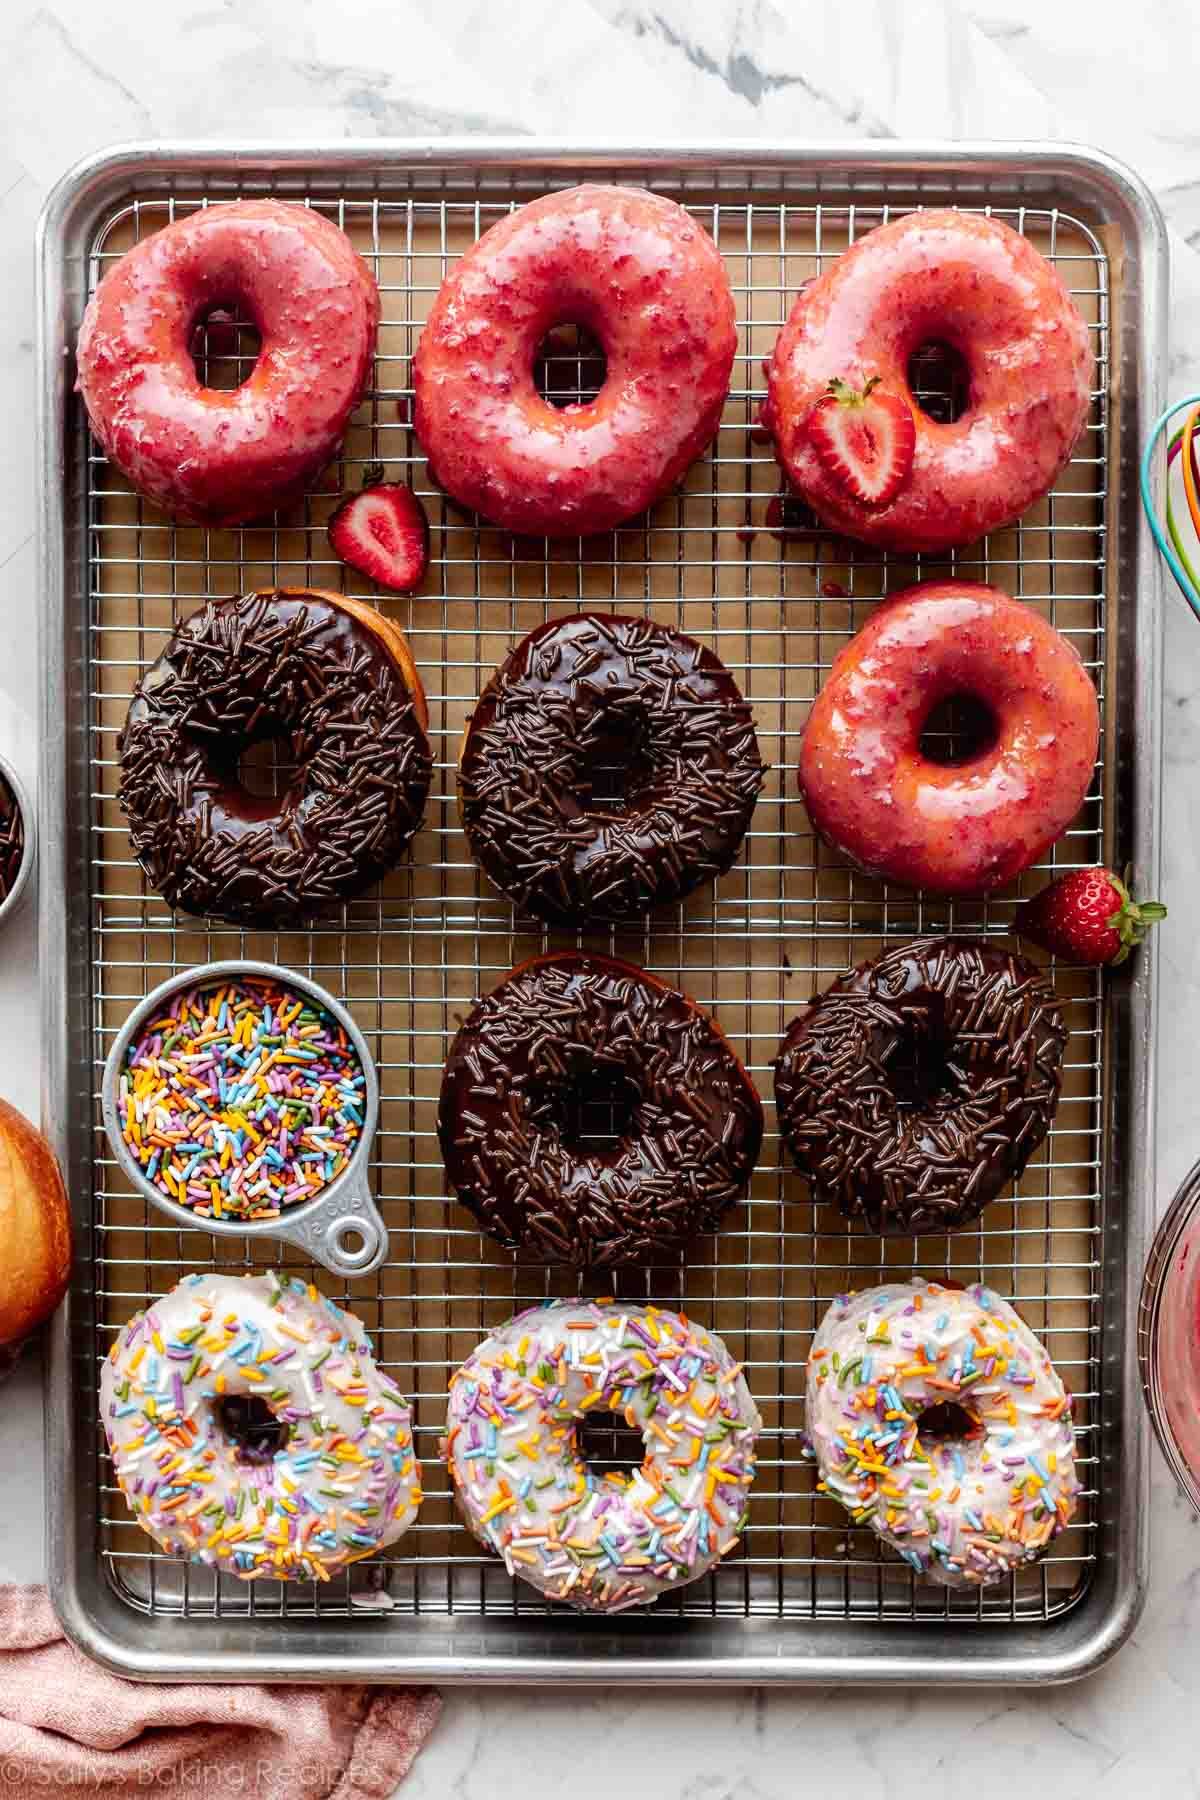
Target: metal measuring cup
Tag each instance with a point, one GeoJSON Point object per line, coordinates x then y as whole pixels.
{"type": "Point", "coordinates": [340, 1226]}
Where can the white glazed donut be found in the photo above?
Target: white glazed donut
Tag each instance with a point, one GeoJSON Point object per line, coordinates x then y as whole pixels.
{"type": "Point", "coordinates": [602, 1542]}
{"type": "Point", "coordinates": [345, 1481]}
{"type": "Point", "coordinates": [967, 1507]}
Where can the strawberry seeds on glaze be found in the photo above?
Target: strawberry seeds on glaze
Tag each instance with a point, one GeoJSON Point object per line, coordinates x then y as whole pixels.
{"type": "Point", "coordinates": [865, 439]}
{"type": "Point", "coordinates": [384, 534]}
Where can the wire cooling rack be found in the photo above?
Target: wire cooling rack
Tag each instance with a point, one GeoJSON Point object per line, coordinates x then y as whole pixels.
{"type": "Point", "coordinates": [748, 572]}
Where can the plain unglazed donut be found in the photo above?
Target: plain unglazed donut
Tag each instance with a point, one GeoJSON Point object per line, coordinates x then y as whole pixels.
{"type": "Point", "coordinates": [974, 284]}
{"type": "Point", "coordinates": [991, 1478]}
{"type": "Point", "coordinates": [961, 827]}
{"type": "Point", "coordinates": [35, 1228]}
{"type": "Point", "coordinates": [648, 282]}
{"type": "Point", "coordinates": [337, 1481]}
{"type": "Point", "coordinates": [214, 457]}
{"type": "Point", "coordinates": [602, 1542]}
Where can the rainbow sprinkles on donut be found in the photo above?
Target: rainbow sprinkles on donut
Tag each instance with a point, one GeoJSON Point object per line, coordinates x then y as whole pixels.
{"type": "Point", "coordinates": [937, 1418]}
{"type": "Point", "coordinates": [327, 1475]}
{"type": "Point", "coordinates": [602, 1543]}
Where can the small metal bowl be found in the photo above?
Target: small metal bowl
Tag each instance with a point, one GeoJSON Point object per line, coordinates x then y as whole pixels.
{"type": "Point", "coordinates": [1168, 1336]}
{"type": "Point", "coordinates": [17, 892]}
{"type": "Point", "coordinates": [340, 1227]}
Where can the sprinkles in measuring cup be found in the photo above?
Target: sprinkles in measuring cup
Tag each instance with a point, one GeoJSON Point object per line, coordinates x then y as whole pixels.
{"type": "Point", "coordinates": [241, 1099]}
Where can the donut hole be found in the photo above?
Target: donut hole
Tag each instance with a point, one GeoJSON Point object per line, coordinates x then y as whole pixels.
{"type": "Point", "coordinates": [613, 759]}
{"type": "Point", "coordinates": [569, 366]}
{"type": "Point", "coordinates": [258, 770]}
{"type": "Point", "coordinates": [225, 344]}
{"type": "Point", "coordinates": [591, 1107]}
{"type": "Point", "coordinates": [960, 729]}
{"type": "Point", "coordinates": [947, 1422]}
{"type": "Point", "coordinates": [251, 1427]}
{"type": "Point", "coordinates": [940, 381]}
{"type": "Point", "coordinates": [918, 1068]}
{"type": "Point", "coordinates": [608, 1444]}
{"type": "Point", "coordinates": [267, 768]}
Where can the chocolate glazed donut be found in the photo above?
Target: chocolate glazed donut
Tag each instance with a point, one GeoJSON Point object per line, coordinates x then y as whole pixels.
{"type": "Point", "coordinates": [590, 1114]}
{"type": "Point", "coordinates": [325, 672]}
{"type": "Point", "coordinates": [574, 696]}
{"type": "Point", "coordinates": [917, 1086]}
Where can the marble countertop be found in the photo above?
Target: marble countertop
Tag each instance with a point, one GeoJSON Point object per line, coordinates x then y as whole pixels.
{"type": "Point", "coordinates": [78, 75]}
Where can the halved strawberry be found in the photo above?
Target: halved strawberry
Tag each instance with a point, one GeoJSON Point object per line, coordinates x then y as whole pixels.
{"type": "Point", "coordinates": [865, 439]}
{"type": "Point", "coordinates": [383, 532]}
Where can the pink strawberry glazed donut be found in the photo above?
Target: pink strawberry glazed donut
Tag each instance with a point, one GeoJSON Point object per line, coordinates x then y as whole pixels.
{"type": "Point", "coordinates": [213, 457]}
{"type": "Point", "coordinates": [968, 282]}
{"type": "Point", "coordinates": [963, 827]}
{"type": "Point", "coordinates": [648, 282]}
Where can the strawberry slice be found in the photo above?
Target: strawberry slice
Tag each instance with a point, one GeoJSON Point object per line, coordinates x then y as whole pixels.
{"type": "Point", "coordinates": [383, 532]}
{"type": "Point", "coordinates": [865, 439]}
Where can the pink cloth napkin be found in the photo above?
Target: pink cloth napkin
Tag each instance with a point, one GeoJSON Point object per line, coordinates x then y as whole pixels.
{"type": "Point", "coordinates": [66, 1726]}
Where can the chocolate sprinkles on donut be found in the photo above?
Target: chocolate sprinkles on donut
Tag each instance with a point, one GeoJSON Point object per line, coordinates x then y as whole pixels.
{"type": "Point", "coordinates": [590, 1114]}
{"type": "Point", "coordinates": [324, 672]}
{"type": "Point", "coordinates": [918, 1085]}
{"type": "Point", "coordinates": [574, 697]}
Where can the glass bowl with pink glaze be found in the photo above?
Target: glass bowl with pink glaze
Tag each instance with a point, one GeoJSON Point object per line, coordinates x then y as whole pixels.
{"type": "Point", "coordinates": [1169, 1336]}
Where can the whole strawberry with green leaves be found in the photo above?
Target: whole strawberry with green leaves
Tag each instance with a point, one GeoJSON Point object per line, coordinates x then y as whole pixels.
{"type": "Point", "coordinates": [1088, 916]}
